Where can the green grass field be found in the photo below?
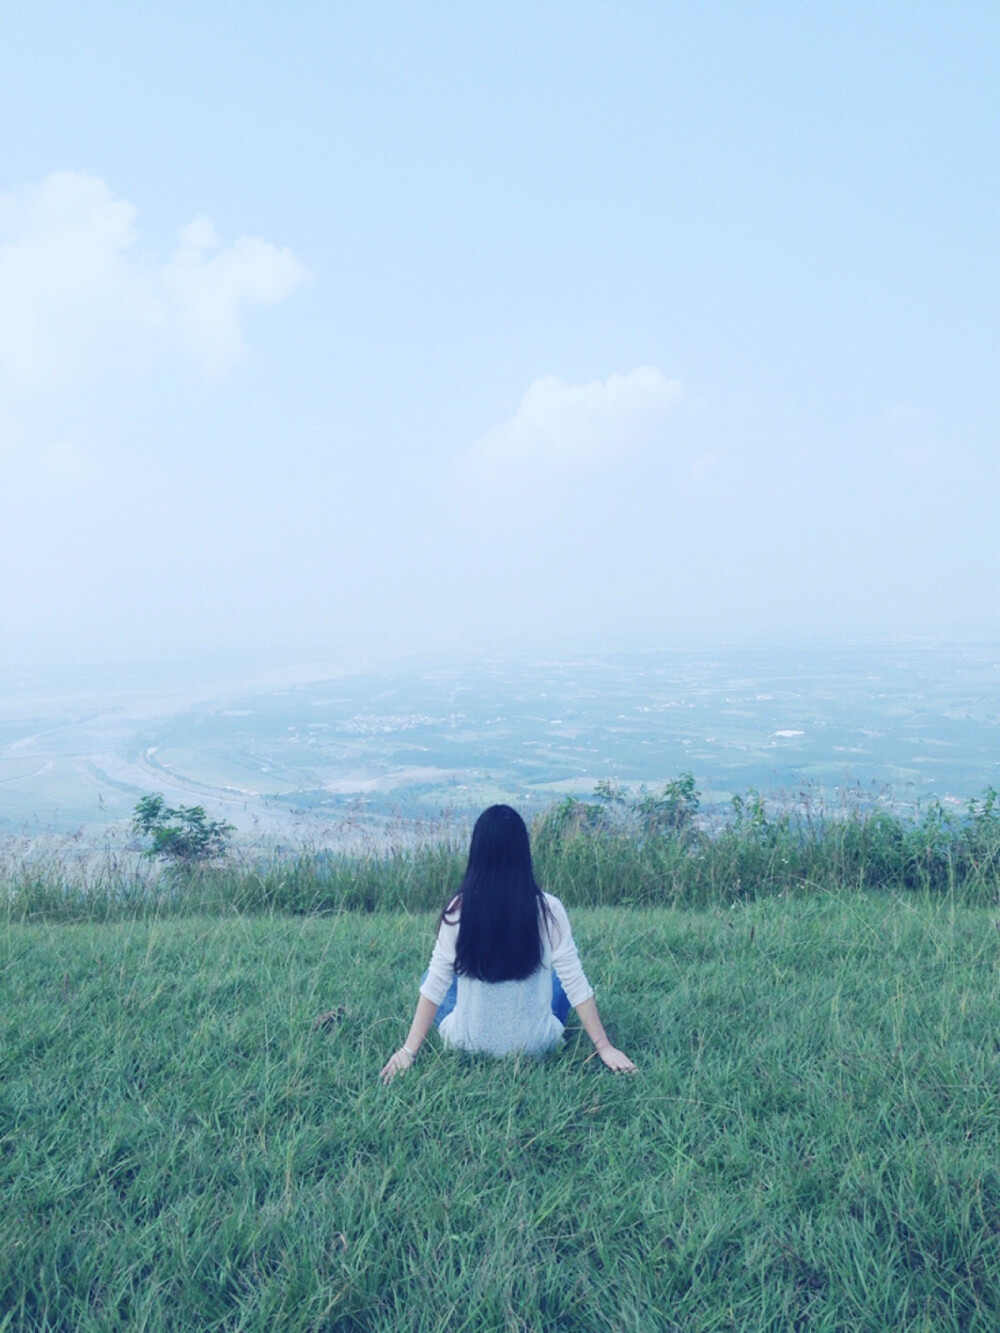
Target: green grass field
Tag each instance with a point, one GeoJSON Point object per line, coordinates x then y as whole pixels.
{"type": "Point", "coordinates": [812, 1141]}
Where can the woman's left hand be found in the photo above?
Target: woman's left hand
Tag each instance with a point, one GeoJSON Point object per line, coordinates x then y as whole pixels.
{"type": "Point", "coordinates": [396, 1064]}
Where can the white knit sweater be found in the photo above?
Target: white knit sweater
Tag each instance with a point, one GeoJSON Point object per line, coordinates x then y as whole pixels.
{"type": "Point", "coordinates": [497, 1017]}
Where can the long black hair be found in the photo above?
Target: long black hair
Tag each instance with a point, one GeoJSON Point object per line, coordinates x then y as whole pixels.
{"type": "Point", "coordinates": [501, 906]}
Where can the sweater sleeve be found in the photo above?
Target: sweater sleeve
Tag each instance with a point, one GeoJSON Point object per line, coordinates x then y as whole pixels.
{"type": "Point", "coordinates": [565, 958]}
{"type": "Point", "coordinates": [442, 965]}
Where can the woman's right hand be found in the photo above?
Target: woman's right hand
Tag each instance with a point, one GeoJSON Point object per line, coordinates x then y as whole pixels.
{"type": "Point", "coordinates": [617, 1061]}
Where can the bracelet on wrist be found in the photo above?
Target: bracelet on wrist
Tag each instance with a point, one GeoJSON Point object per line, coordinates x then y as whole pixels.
{"type": "Point", "coordinates": [411, 1054]}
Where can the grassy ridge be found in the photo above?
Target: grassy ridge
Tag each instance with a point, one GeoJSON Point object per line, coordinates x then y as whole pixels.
{"type": "Point", "coordinates": [622, 850]}
{"type": "Point", "coordinates": [812, 1142]}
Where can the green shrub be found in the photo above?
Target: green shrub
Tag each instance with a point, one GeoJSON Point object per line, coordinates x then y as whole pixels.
{"type": "Point", "coordinates": [619, 849]}
{"type": "Point", "coordinates": [183, 837]}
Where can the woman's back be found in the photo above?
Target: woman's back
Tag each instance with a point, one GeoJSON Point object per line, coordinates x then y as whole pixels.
{"type": "Point", "coordinates": [505, 970]}
{"type": "Point", "coordinates": [497, 1017]}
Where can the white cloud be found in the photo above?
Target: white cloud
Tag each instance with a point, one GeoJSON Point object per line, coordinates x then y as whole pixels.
{"type": "Point", "coordinates": [208, 287]}
{"type": "Point", "coordinates": [560, 430]}
{"type": "Point", "coordinates": [76, 294]}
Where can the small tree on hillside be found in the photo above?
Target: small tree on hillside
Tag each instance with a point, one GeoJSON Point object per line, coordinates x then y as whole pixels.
{"type": "Point", "coordinates": [184, 837]}
{"type": "Point", "coordinates": [673, 811]}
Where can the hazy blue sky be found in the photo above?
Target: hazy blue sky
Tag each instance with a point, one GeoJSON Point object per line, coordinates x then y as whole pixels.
{"type": "Point", "coordinates": [367, 327]}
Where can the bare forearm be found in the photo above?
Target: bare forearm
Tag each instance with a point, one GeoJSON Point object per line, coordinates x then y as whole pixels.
{"type": "Point", "coordinates": [616, 1060]}
{"type": "Point", "coordinates": [421, 1025]}
{"type": "Point", "coordinates": [591, 1020]}
{"type": "Point", "coordinates": [400, 1061]}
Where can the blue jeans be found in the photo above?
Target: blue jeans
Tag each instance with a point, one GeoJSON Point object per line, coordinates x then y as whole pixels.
{"type": "Point", "coordinates": [560, 1000]}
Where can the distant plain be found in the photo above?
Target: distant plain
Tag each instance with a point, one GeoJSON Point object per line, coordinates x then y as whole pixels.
{"type": "Point", "coordinates": [431, 742]}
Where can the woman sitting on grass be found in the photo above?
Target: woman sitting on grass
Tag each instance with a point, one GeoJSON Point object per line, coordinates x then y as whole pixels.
{"type": "Point", "coordinates": [505, 970]}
